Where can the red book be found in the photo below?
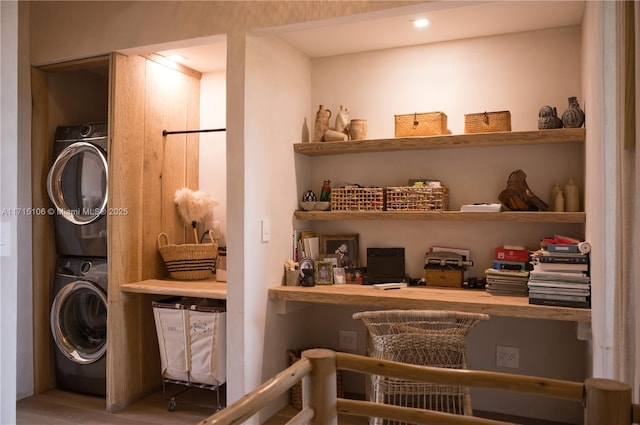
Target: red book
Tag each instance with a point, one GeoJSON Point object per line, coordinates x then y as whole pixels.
{"type": "Point", "coordinates": [504, 254]}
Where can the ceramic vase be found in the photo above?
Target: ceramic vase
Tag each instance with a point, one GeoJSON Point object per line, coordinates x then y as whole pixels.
{"type": "Point", "coordinates": [358, 129]}
{"type": "Point", "coordinates": [342, 119]}
{"type": "Point", "coordinates": [321, 123]}
{"type": "Point", "coordinates": [548, 118]}
{"type": "Point", "coordinates": [573, 117]}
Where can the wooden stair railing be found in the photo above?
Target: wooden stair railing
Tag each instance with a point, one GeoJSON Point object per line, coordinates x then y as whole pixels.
{"type": "Point", "coordinates": [605, 401]}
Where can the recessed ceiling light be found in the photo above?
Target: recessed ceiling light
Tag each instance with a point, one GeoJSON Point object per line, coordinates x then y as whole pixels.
{"type": "Point", "coordinates": [421, 23]}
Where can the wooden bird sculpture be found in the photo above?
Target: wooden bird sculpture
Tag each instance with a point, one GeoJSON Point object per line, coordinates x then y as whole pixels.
{"type": "Point", "coordinates": [518, 197]}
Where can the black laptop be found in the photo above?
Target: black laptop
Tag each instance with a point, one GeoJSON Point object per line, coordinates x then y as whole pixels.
{"type": "Point", "coordinates": [385, 265]}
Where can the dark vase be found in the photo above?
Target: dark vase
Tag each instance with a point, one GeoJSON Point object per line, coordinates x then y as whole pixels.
{"type": "Point", "coordinates": [548, 118]}
{"type": "Point", "coordinates": [573, 117]}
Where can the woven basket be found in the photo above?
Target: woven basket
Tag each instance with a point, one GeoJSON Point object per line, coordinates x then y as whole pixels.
{"type": "Point", "coordinates": [421, 124]}
{"type": "Point", "coordinates": [188, 261]}
{"type": "Point", "coordinates": [296, 390]}
{"type": "Point", "coordinates": [357, 199]}
{"type": "Point", "coordinates": [437, 276]}
{"type": "Point", "coordinates": [487, 122]}
{"type": "Point", "coordinates": [417, 198]}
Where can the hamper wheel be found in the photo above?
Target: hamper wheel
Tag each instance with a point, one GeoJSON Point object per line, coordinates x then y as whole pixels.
{"type": "Point", "coordinates": [171, 406]}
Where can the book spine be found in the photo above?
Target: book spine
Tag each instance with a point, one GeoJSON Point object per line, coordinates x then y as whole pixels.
{"type": "Point", "coordinates": [560, 303]}
{"type": "Point", "coordinates": [509, 265]}
{"type": "Point", "coordinates": [557, 247]}
{"type": "Point", "coordinates": [559, 297]}
{"type": "Point", "coordinates": [503, 254]}
{"type": "Point", "coordinates": [583, 259]}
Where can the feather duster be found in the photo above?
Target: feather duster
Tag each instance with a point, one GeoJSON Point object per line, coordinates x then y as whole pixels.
{"type": "Point", "coordinates": [193, 206]}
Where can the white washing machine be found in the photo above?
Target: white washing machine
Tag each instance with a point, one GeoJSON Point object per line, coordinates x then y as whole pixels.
{"type": "Point", "coordinates": [79, 324]}
{"type": "Point", "coordinates": [77, 187]}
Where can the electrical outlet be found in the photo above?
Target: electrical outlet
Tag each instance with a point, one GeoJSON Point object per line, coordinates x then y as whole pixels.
{"type": "Point", "coordinates": [348, 340]}
{"type": "Point", "coordinates": [508, 357]}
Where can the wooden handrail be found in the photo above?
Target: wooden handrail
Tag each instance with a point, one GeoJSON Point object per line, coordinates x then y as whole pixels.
{"type": "Point", "coordinates": [252, 402]}
{"type": "Point", "coordinates": [465, 378]}
{"type": "Point", "coordinates": [605, 400]}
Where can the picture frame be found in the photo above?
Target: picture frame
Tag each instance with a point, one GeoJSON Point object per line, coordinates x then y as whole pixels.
{"type": "Point", "coordinates": [334, 258]}
{"type": "Point", "coordinates": [323, 272]}
{"type": "Point", "coordinates": [347, 248]}
{"type": "Point", "coordinates": [339, 276]}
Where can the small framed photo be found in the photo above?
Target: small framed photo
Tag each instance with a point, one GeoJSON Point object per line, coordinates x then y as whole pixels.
{"type": "Point", "coordinates": [324, 273]}
{"type": "Point", "coordinates": [355, 275]}
{"type": "Point", "coordinates": [333, 258]}
{"type": "Point", "coordinates": [346, 247]}
{"type": "Point", "coordinates": [339, 276]}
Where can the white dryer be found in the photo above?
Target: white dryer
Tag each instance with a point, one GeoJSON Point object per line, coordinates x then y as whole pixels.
{"type": "Point", "coordinates": [77, 187]}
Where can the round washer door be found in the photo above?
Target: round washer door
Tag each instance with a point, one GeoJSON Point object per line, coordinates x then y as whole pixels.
{"type": "Point", "coordinates": [79, 321]}
{"type": "Point", "coordinates": [77, 183]}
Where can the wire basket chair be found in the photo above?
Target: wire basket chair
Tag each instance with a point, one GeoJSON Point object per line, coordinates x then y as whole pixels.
{"type": "Point", "coordinates": [421, 337]}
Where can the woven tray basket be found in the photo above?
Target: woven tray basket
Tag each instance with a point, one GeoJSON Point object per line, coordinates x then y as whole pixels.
{"type": "Point", "coordinates": [296, 390]}
{"type": "Point", "coordinates": [421, 124]}
{"type": "Point", "coordinates": [188, 261]}
{"type": "Point", "coordinates": [416, 198]}
{"type": "Point", "coordinates": [357, 199]}
{"type": "Point", "coordinates": [487, 122]}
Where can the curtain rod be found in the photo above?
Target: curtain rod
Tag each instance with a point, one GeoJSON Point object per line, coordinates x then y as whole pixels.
{"type": "Point", "coordinates": [166, 133]}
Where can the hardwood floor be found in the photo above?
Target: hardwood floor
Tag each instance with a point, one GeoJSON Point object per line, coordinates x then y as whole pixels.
{"type": "Point", "coordinates": [56, 407]}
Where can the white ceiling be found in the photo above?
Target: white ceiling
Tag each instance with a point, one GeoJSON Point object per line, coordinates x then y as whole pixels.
{"type": "Point", "coordinates": [449, 20]}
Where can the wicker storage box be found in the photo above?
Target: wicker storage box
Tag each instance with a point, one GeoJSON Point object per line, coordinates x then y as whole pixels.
{"type": "Point", "coordinates": [188, 261]}
{"type": "Point", "coordinates": [192, 340]}
{"type": "Point", "coordinates": [417, 198]}
{"type": "Point", "coordinates": [357, 199]}
{"type": "Point", "coordinates": [437, 276]}
{"type": "Point", "coordinates": [421, 124]}
{"type": "Point", "coordinates": [296, 390]}
{"type": "Point", "coordinates": [487, 122]}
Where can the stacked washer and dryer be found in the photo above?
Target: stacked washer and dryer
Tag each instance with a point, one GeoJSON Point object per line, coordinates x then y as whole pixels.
{"type": "Point", "coordinates": [77, 187]}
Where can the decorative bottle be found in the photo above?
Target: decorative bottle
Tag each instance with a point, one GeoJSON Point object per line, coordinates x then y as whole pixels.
{"type": "Point", "coordinates": [571, 196]}
{"type": "Point", "coordinates": [321, 123]}
{"type": "Point", "coordinates": [325, 192]}
{"type": "Point", "coordinates": [558, 204]}
{"type": "Point", "coordinates": [573, 117]}
{"type": "Point", "coordinates": [554, 191]}
{"type": "Point", "coordinates": [342, 119]}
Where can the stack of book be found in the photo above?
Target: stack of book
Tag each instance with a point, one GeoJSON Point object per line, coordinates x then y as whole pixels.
{"type": "Point", "coordinates": [560, 277]}
{"type": "Point", "coordinates": [509, 274]}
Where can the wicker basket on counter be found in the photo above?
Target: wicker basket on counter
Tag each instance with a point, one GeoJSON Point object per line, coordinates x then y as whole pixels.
{"type": "Point", "coordinates": [417, 198]}
{"type": "Point", "coordinates": [420, 124]}
{"type": "Point", "coordinates": [487, 122]}
{"type": "Point", "coordinates": [189, 261]}
{"type": "Point", "coordinates": [357, 199]}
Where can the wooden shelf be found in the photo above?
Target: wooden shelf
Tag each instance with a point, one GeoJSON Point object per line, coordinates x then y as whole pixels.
{"type": "Point", "coordinates": [507, 216]}
{"type": "Point", "coordinates": [471, 300]}
{"type": "Point", "coordinates": [449, 141]}
{"type": "Point", "coordinates": [187, 288]}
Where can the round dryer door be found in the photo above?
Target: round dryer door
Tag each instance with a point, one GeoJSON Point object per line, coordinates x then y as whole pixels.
{"type": "Point", "coordinates": [79, 321]}
{"type": "Point", "coordinates": [77, 183]}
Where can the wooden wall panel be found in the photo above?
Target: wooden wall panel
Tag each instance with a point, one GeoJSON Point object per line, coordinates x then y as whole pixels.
{"type": "Point", "coordinates": [42, 238]}
{"type": "Point", "coordinates": [126, 160]}
{"type": "Point", "coordinates": [148, 168]}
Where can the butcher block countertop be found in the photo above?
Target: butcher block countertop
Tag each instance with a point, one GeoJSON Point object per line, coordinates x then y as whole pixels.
{"type": "Point", "coordinates": [187, 288]}
{"type": "Point", "coordinates": [426, 298]}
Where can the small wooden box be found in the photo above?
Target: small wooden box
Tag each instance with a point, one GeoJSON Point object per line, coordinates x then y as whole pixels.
{"type": "Point", "coordinates": [436, 276]}
{"type": "Point", "coordinates": [487, 122]}
{"type": "Point", "coordinates": [421, 124]}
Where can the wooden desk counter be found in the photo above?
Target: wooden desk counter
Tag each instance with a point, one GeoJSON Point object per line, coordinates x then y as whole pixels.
{"type": "Point", "coordinates": [470, 300]}
{"type": "Point", "coordinates": [187, 288]}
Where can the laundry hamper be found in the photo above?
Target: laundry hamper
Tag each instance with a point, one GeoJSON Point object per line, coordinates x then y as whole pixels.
{"type": "Point", "coordinates": [192, 337]}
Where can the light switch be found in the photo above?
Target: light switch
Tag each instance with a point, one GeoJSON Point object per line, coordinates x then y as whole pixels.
{"type": "Point", "coordinates": [266, 229]}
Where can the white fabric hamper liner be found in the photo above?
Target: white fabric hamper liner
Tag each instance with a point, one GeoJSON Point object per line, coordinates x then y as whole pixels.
{"type": "Point", "coordinates": [192, 340]}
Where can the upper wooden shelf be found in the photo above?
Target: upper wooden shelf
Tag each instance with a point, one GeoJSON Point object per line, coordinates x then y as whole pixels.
{"type": "Point", "coordinates": [186, 288]}
{"type": "Point", "coordinates": [506, 138]}
{"type": "Point", "coordinates": [427, 298]}
{"type": "Point", "coordinates": [506, 216]}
